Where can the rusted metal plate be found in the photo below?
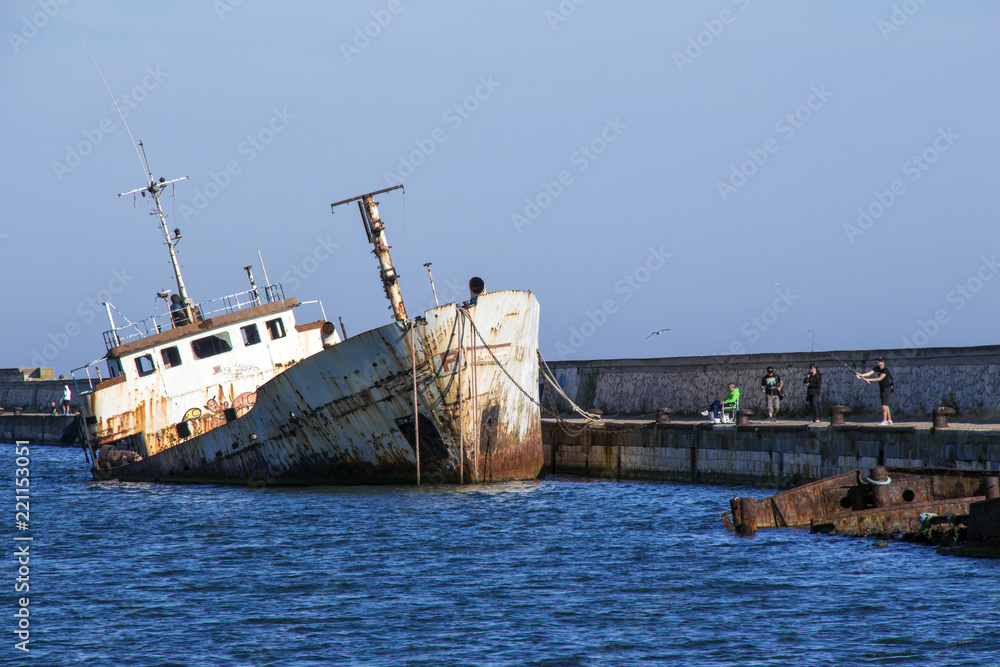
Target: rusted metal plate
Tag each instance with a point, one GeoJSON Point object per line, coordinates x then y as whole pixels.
{"type": "Point", "coordinates": [345, 415]}
{"type": "Point", "coordinates": [897, 520]}
{"type": "Point", "coordinates": [853, 494]}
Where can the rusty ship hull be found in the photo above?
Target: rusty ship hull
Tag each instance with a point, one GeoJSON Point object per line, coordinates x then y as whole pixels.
{"type": "Point", "coordinates": [345, 415]}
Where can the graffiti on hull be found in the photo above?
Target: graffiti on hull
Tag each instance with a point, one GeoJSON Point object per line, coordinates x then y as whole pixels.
{"type": "Point", "coordinates": [216, 411]}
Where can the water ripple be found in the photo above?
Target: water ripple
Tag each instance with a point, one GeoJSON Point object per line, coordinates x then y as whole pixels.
{"type": "Point", "coordinates": [557, 572]}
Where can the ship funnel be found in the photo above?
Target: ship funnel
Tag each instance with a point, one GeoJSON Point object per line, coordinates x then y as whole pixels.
{"type": "Point", "coordinates": [476, 287]}
{"type": "Point", "coordinates": [329, 335]}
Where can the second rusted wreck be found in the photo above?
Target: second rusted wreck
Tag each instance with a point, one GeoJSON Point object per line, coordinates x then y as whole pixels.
{"type": "Point", "coordinates": [887, 501]}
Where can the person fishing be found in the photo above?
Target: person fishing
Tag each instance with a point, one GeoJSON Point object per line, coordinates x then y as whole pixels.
{"type": "Point", "coordinates": [813, 382]}
{"type": "Point", "coordinates": [881, 375]}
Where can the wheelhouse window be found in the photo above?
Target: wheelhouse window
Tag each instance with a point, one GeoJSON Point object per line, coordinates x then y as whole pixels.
{"type": "Point", "coordinates": [144, 365]}
{"type": "Point", "coordinates": [276, 328]}
{"type": "Point", "coordinates": [251, 336]}
{"type": "Point", "coordinates": [209, 346]}
{"type": "Point", "coordinates": [171, 357]}
{"type": "Point", "coordinates": [115, 368]}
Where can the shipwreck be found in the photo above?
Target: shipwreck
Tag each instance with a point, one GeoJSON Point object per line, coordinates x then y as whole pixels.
{"type": "Point", "coordinates": [238, 390]}
{"type": "Point", "coordinates": [891, 502]}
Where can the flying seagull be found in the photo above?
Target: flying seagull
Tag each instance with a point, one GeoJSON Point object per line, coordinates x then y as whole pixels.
{"type": "Point", "coordinates": [657, 333]}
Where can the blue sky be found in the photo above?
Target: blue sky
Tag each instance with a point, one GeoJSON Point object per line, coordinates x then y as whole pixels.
{"type": "Point", "coordinates": [753, 176]}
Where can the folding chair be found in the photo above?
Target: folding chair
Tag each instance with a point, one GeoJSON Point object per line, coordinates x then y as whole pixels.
{"type": "Point", "coordinates": [729, 412]}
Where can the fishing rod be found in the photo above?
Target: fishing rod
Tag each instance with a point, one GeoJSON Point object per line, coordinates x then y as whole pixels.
{"type": "Point", "coordinates": [839, 359]}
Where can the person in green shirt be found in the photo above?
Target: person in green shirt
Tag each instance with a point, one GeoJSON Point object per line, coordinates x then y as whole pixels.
{"type": "Point", "coordinates": [731, 400]}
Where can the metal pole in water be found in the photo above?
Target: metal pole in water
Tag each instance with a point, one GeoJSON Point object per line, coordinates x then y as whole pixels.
{"type": "Point", "coordinates": [477, 425]}
{"type": "Point", "coordinates": [461, 415]}
{"type": "Point", "coordinates": [416, 413]}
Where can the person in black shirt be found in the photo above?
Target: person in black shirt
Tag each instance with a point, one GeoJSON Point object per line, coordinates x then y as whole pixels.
{"type": "Point", "coordinates": [813, 381]}
{"type": "Point", "coordinates": [881, 375]}
{"type": "Point", "coordinates": [771, 385]}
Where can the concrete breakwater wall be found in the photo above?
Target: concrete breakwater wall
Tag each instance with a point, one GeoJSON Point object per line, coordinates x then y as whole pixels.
{"type": "Point", "coordinates": [967, 379]}
{"type": "Point", "coordinates": [35, 389]}
{"type": "Point", "coordinates": [767, 455]}
{"type": "Point", "coordinates": [38, 429]}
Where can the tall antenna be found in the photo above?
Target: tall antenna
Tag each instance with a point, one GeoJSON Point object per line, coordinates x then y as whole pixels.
{"type": "Point", "coordinates": [117, 108]}
{"type": "Point", "coordinates": [153, 186]}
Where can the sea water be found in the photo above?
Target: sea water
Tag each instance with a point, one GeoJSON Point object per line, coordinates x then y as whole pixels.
{"type": "Point", "coordinates": [562, 571]}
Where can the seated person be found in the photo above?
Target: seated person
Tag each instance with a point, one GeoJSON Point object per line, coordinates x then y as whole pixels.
{"type": "Point", "coordinates": [177, 313]}
{"type": "Point", "coordinates": [730, 401]}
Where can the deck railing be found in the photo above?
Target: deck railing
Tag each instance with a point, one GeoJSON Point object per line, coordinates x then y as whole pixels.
{"type": "Point", "coordinates": [155, 324]}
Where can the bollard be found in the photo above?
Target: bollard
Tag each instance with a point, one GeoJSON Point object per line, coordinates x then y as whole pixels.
{"type": "Point", "coordinates": [837, 413]}
{"type": "Point", "coordinates": [664, 417]}
{"type": "Point", "coordinates": [743, 417]}
{"type": "Point", "coordinates": [878, 480]}
{"type": "Point", "coordinates": [940, 415]}
{"type": "Point", "coordinates": [991, 487]}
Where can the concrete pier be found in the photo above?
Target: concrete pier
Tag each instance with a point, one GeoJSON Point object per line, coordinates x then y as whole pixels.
{"type": "Point", "coordinates": [778, 455]}
{"type": "Point", "coordinates": [38, 429]}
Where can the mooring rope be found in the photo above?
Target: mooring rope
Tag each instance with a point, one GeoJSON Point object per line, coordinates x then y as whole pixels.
{"type": "Point", "coordinates": [887, 482]}
{"type": "Point", "coordinates": [550, 378]}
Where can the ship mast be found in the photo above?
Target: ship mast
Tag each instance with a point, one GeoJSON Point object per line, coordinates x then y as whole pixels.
{"type": "Point", "coordinates": [376, 236]}
{"type": "Point", "coordinates": [154, 187]}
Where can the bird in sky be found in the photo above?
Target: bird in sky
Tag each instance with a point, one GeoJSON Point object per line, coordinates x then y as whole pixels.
{"type": "Point", "coordinates": [657, 333]}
